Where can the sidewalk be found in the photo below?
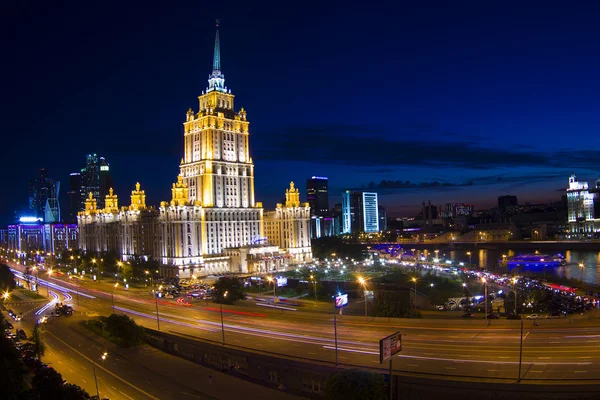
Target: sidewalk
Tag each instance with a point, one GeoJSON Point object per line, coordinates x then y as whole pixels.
{"type": "Point", "coordinates": [187, 374]}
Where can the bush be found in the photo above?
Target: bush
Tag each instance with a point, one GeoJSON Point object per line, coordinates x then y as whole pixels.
{"type": "Point", "coordinates": [356, 384]}
{"type": "Point", "coordinates": [124, 329]}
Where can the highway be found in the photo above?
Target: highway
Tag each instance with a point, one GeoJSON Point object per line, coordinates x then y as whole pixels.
{"type": "Point", "coordinates": [556, 350]}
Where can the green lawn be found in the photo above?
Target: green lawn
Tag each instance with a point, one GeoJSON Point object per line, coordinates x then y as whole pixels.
{"type": "Point", "coordinates": [31, 294]}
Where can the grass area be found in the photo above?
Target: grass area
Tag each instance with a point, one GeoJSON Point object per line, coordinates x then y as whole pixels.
{"type": "Point", "coordinates": [31, 294]}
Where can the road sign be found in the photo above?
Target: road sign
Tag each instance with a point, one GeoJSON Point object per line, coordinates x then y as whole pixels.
{"type": "Point", "coordinates": [341, 301]}
{"type": "Point", "coordinates": [390, 346]}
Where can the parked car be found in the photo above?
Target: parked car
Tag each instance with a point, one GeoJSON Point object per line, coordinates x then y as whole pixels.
{"type": "Point", "coordinates": [21, 334]}
{"type": "Point", "coordinates": [493, 316]}
{"type": "Point", "coordinates": [554, 314]}
{"type": "Point", "coordinates": [513, 316]}
{"type": "Point", "coordinates": [534, 316]}
{"type": "Point", "coordinates": [467, 315]}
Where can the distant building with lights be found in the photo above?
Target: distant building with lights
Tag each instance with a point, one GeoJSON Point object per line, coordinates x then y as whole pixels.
{"type": "Point", "coordinates": [212, 224]}
{"type": "Point", "coordinates": [95, 178]}
{"type": "Point", "coordinates": [583, 208]}
{"type": "Point", "coordinates": [32, 234]}
{"type": "Point", "coordinates": [360, 212]}
{"type": "Point", "coordinates": [43, 197]}
{"type": "Point", "coordinates": [322, 222]}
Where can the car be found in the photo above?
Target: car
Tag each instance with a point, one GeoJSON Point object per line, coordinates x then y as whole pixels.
{"type": "Point", "coordinates": [534, 316]}
{"type": "Point", "coordinates": [8, 325]}
{"type": "Point", "coordinates": [493, 316]}
{"type": "Point", "coordinates": [513, 316]}
{"type": "Point", "coordinates": [21, 334]}
{"type": "Point", "coordinates": [555, 314]}
{"type": "Point", "coordinates": [467, 315]}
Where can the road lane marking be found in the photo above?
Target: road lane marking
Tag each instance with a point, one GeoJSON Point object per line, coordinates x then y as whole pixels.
{"type": "Point", "coordinates": [582, 336]}
{"type": "Point", "coordinates": [493, 370]}
{"type": "Point", "coordinates": [580, 372]}
{"type": "Point", "coordinates": [537, 371]}
{"type": "Point", "coordinates": [84, 381]}
{"type": "Point", "coordinates": [113, 387]}
{"type": "Point", "coordinates": [102, 368]}
{"type": "Point", "coordinates": [586, 357]}
{"type": "Point", "coordinates": [126, 395]}
{"type": "Point", "coordinates": [544, 358]}
{"type": "Point", "coordinates": [450, 368]}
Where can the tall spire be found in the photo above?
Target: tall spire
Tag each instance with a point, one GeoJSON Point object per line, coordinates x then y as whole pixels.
{"type": "Point", "coordinates": [217, 55]}
{"type": "Point", "coordinates": [216, 80]}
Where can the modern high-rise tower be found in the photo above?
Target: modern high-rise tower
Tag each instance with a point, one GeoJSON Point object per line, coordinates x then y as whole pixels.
{"type": "Point", "coordinates": [73, 197]}
{"type": "Point", "coordinates": [317, 195]}
{"type": "Point", "coordinates": [95, 179]}
{"type": "Point", "coordinates": [360, 212]}
{"type": "Point", "coordinates": [43, 197]}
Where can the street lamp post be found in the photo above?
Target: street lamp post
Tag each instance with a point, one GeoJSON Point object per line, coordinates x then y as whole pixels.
{"type": "Point", "coordinates": [581, 266]}
{"type": "Point", "coordinates": [314, 280]}
{"type": "Point", "coordinates": [47, 281]}
{"type": "Point", "coordinates": [112, 296]}
{"type": "Point", "coordinates": [157, 317]}
{"type": "Point", "coordinates": [415, 295]}
{"type": "Point", "coordinates": [363, 282]}
{"type": "Point", "coordinates": [222, 323]}
{"type": "Point", "coordinates": [515, 280]}
{"type": "Point", "coordinates": [485, 299]}
{"type": "Point", "coordinates": [470, 264]}
{"type": "Point", "coordinates": [95, 378]}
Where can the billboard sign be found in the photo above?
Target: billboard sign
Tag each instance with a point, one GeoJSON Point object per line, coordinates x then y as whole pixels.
{"type": "Point", "coordinates": [281, 281]}
{"type": "Point", "coordinates": [390, 346]}
{"type": "Point", "coordinates": [341, 301]}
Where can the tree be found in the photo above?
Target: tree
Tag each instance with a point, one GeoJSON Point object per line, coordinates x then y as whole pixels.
{"type": "Point", "coordinates": [47, 383]}
{"type": "Point", "coordinates": [124, 329]}
{"type": "Point", "coordinates": [230, 285]}
{"type": "Point", "coordinates": [12, 369]}
{"type": "Point", "coordinates": [38, 341]}
{"type": "Point", "coordinates": [391, 304]}
{"type": "Point", "coordinates": [7, 279]}
{"type": "Point", "coordinates": [356, 384]}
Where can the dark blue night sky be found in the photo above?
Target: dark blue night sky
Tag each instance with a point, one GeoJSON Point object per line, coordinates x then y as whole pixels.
{"type": "Point", "coordinates": [486, 99]}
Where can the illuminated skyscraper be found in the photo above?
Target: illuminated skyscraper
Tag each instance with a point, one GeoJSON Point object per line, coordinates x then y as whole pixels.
{"type": "Point", "coordinates": [583, 208]}
{"type": "Point", "coordinates": [212, 224]}
{"type": "Point", "coordinates": [96, 179]}
{"type": "Point", "coordinates": [360, 212]}
{"type": "Point", "coordinates": [43, 197]}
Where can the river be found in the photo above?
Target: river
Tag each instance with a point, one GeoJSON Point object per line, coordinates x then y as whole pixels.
{"type": "Point", "coordinates": [491, 260]}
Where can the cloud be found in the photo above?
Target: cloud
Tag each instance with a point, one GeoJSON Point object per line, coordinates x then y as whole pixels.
{"type": "Point", "coordinates": [365, 146]}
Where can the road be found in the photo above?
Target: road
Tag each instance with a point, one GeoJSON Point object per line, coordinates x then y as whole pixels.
{"type": "Point", "coordinates": [556, 350]}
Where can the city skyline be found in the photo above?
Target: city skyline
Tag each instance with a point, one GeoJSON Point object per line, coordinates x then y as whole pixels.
{"type": "Point", "coordinates": [474, 112]}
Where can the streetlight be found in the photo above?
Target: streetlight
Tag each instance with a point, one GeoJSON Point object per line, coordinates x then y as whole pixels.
{"type": "Point", "coordinates": [363, 282]}
{"type": "Point", "coordinates": [581, 266]}
{"type": "Point", "coordinates": [157, 317]}
{"type": "Point", "coordinates": [312, 277]}
{"type": "Point", "coordinates": [103, 357]}
{"type": "Point", "coordinates": [515, 280]}
{"type": "Point", "coordinates": [112, 295]}
{"type": "Point", "coordinates": [49, 275]}
{"type": "Point", "coordinates": [5, 296]}
{"type": "Point", "coordinates": [485, 297]}
{"type": "Point", "coordinates": [415, 297]}
{"type": "Point", "coordinates": [222, 324]}
{"type": "Point", "coordinates": [152, 279]}
{"type": "Point", "coordinates": [469, 254]}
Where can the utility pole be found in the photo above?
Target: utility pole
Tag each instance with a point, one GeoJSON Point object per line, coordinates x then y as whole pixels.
{"type": "Point", "coordinates": [520, 353]}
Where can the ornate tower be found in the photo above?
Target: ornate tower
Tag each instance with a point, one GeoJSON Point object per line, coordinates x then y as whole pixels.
{"type": "Point", "coordinates": [216, 165]}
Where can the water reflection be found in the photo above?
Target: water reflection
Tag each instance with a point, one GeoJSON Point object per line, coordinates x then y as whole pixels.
{"type": "Point", "coordinates": [492, 260]}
